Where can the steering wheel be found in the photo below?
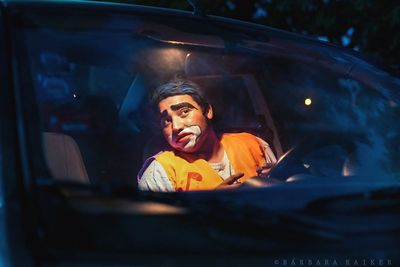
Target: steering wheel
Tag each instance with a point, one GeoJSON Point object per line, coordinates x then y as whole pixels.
{"type": "Point", "coordinates": [319, 155]}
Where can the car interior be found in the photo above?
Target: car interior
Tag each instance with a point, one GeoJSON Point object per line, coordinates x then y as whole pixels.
{"type": "Point", "coordinates": [90, 137]}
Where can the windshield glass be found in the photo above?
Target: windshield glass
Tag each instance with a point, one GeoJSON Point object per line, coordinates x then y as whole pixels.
{"type": "Point", "coordinates": [317, 110]}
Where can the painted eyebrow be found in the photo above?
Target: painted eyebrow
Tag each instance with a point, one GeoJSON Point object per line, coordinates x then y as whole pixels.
{"type": "Point", "coordinates": [182, 105]}
{"type": "Point", "coordinates": [176, 107]}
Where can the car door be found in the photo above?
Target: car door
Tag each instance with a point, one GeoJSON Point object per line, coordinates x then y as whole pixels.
{"type": "Point", "coordinates": [81, 75]}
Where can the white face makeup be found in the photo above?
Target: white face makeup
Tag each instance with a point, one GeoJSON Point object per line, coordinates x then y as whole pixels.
{"type": "Point", "coordinates": [187, 139]}
{"type": "Point", "coordinates": [183, 122]}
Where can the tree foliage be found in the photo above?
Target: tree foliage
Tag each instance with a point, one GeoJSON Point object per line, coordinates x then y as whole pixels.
{"type": "Point", "coordinates": [370, 26]}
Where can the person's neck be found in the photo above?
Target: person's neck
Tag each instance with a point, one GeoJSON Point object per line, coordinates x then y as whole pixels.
{"type": "Point", "coordinates": [211, 150]}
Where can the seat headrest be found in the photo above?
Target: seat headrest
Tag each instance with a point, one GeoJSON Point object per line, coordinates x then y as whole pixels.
{"type": "Point", "coordinates": [64, 158]}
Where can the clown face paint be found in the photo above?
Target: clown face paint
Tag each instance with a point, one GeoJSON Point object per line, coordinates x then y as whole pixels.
{"type": "Point", "coordinates": [183, 123]}
{"type": "Point", "coordinates": [186, 139]}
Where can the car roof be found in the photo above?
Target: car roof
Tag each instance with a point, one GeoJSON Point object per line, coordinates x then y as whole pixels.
{"type": "Point", "coordinates": [239, 24]}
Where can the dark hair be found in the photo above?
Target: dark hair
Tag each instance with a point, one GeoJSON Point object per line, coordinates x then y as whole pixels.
{"type": "Point", "coordinates": [179, 86]}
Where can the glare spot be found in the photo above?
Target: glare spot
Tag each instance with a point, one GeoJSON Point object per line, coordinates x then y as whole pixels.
{"type": "Point", "coordinates": [171, 57]}
{"type": "Point", "coordinates": [350, 31]}
{"type": "Point", "coordinates": [345, 40]}
{"type": "Point", "coordinates": [323, 38]}
{"type": "Point", "coordinates": [307, 101]}
{"type": "Point", "coordinates": [231, 5]}
{"type": "Point", "coordinates": [74, 95]}
{"type": "Point", "coordinates": [392, 104]}
{"type": "Point", "coordinates": [260, 13]}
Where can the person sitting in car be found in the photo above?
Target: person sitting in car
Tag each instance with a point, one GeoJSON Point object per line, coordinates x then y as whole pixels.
{"type": "Point", "coordinates": [199, 159]}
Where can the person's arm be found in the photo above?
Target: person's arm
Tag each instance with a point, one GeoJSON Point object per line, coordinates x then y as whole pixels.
{"type": "Point", "coordinates": [269, 155]}
{"type": "Point", "coordinates": [154, 178]}
{"type": "Point", "coordinates": [270, 158]}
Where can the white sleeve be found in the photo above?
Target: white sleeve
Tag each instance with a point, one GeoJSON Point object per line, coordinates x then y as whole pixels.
{"type": "Point", "coordinates": [269, 155]}
{"type": "Point", "coordinates": [154, 178]}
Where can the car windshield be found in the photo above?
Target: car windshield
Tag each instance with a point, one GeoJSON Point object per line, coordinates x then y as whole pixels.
{"type": "Point", "coordinates": [324, 112]}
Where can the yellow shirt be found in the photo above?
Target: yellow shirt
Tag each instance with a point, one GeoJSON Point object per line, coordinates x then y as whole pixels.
{"type": "Point", "coordinates": [244, 152]}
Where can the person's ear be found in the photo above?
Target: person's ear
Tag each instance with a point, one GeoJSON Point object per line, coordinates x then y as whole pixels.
{"type": "Point", "coordinates": [210, 112]}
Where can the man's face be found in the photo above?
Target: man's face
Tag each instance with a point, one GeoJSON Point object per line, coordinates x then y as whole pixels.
{"type": "Point", "coordinates": [183, 122]}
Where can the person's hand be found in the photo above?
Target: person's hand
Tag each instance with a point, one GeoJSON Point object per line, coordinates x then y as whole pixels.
{"type": "Point", "coordinates": [263, 170]}
{"type": "Point", "coordinates": [229, 183]}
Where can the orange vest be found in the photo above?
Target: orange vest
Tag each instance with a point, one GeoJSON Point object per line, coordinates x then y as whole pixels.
{"type": "Point", "coordinates": [244, 153]}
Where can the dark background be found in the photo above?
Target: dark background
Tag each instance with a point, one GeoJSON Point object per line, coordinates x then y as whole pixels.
{"type": "Point", "coordinates": [370, 26]}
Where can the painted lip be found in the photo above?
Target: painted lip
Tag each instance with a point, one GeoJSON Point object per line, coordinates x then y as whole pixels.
{"type": "Point", "coordinates": [181, 138]}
